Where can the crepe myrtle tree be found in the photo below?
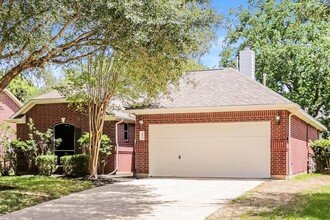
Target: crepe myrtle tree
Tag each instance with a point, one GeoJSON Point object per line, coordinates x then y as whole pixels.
{"type": "Point", "coordinates": [163, 37]}
{"type": "Point", "coordinates": [94, 82]}
{"type": "Point", "coordinates": [35, 34]}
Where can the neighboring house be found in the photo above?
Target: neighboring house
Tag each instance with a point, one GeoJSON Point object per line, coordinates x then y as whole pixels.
{"type": "Point", "coordinates": [224, 124]}
{"type": "Point", "coordinates": [9, 104]}
{"type": "Point", "coordinates": [51, 110]}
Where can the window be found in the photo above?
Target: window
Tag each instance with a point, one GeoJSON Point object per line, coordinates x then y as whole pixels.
{"type": "Point", "coordinates": [125, 132]}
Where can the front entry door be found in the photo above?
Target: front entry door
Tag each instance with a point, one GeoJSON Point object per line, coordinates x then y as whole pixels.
{"type": "Point", "coordinates": [66, 133]}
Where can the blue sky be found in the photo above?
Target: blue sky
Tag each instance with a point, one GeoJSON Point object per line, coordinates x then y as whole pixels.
{"type": "Point", "coordinates": [211, 59]}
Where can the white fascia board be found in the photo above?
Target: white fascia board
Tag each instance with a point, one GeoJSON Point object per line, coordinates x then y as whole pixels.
{"type": "Point", "coordinates": [17, 120]}
{"type": "Point", "coordinates": [116, 118]}
{"type": "Point", "coordinates": [210, 109]}
{"type": "Point", "coordinates": [300, 113]}
{"type": "Point", "coordinates": [34, 102]}
{"type": "Point", "coordinates": [293, 108]}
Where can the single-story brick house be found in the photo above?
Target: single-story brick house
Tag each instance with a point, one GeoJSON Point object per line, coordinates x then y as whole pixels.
{"type": "Point", "coordinates": [53, 111]}
{"type": "Point", "coordinates": [9, 104]}
{"type": "Point", "coordinates": [224, 124]}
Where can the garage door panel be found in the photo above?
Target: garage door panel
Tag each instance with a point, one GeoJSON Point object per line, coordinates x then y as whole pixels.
{"type": "Point", "coordinates": [210, 150]}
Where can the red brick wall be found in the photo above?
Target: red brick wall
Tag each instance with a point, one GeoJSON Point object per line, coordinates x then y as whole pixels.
{"type": "Point", "coordinates": [299, 148]}
{"type": "Point", "coordinates": [47, 115]}
{"type": "Point", "coordinates": [125, 152]}
{"type": "Point", "coordinates": [313, 134]}
{"type": "Point", "coordinates": [301, 133]}
{"type": "Point", "coordinates": [279, 133]}
{"type": "Point", "coordinates": [7, 107]}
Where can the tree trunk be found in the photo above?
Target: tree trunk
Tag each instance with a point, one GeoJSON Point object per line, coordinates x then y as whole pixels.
{"type": "Point", "coordinates": [96, 122]}
{"type": "Point", "coordinates": [9, 76]}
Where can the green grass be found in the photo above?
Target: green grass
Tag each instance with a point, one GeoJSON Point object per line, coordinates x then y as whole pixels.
{"type": "Point", "coordinates": [18, 192]}
{"type": "Point", "coordinates": [306, 176]}
{"type": "Point", "coordinates": [310, 205]}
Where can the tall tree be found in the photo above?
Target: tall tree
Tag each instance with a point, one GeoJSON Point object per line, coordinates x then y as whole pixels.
{"type": "Point", "coordinates": [162, 38]}
{"type": "Point", "coordinates": [35, 33]}
{"type": "Point", "coordinates": [289, 38]}
{"type": "Point", "coordinates": [22, 88]}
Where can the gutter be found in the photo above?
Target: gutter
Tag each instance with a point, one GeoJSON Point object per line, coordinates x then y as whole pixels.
{"type": "Point", "coordinates": [292, 107]}
{"type": "Point", "coordinates": [117, 149]}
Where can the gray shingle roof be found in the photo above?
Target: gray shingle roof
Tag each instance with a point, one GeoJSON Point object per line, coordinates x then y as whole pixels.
{"type": "Point", "coordinates": [50, 95]}
{"type": "Point", "coordinates": [216, 88]}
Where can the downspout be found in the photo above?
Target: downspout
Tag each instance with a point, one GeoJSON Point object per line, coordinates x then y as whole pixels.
{"type": "Point", "coordinates": [289, 150]}
{"type": "Point", "coordinates": [117, 148]}
{"type": "Point", "coordinates": [133, 154]}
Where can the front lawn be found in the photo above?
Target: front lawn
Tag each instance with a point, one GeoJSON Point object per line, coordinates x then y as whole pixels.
{"type": "Point", "coordinates": [18, 192]}
{"type": "Point", "coordinates": [304, 197]}
{"type": "Point", "coordinates": [312, 204]}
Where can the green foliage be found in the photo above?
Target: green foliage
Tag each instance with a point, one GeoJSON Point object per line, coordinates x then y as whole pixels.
{"type": "Point", "coordinates": [289, 38]}
{"type": "Point", "coordinates": [39, 143]}
{"type": "Point", "coordinates": [145, 46]}
{"type": "Point", "coordinates": [321, 149]}
{"type": "Point", "coordinates": [75, 165]}
{"type": "Point", "coordinates": [27, 148]}
{"type": "Point", "coordinates": [44, 142]}
{"type": "Point", "coordinates": [30, 190]}
{"type": "Point", "coordinates": [46, 164]}
{"type": "Point", "coordinates": [170, 29]}
{"type": "Point", "coordinates": [27, 87]}
{"type": "Point", "coordinates": [22, 88]}
{"type": "Point", "coordinates": [105, 149]}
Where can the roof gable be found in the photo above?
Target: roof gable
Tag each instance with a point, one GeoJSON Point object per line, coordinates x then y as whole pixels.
{"type": "Point", "coordinates": [54, 97]}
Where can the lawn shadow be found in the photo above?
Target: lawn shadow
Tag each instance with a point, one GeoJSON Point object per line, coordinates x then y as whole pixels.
{"type": "Point", "coordinates": [114, 201]}
{"type": "Point", "coordinates": [6, 187]}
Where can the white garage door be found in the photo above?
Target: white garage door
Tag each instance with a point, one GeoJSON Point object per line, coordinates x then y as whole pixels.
{"type": "Point", "coordinates": [210, 150]}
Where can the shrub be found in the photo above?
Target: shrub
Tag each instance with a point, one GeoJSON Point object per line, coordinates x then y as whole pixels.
{"type": "Point", "coordinates": [321, 149]}
{"type": "Point", "coordinates": [105, 149]}
{"type": "Point", "coordinates": [7, 153]}
{"type": "Point", "coordinates": [27, 148]}
{"type": "Point", "coordinates": [75, 165]}
{"type": "Point", "coordinates": [46, 164]}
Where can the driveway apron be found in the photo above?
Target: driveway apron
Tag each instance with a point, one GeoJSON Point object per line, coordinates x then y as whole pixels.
{"type": "Point", "coordinates": [153, 198]}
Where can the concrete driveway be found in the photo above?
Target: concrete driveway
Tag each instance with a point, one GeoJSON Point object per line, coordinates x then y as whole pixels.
{"type": "Point", "coordinates": [151, 198]}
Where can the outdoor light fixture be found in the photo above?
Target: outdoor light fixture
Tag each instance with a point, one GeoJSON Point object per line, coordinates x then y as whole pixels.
{"type": "Point", "coordinates": [278, 118]}
{"type": "Point", "coordinates": [62, 120]}
{"type": "Point", "coordinates": [141, 122]}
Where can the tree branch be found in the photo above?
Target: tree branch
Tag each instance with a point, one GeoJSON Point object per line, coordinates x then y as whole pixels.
{"type": "Point", "coordinates": [80, 38]}
{"type": "Point", "coordinates": [63, 29]}
{"type": "Point", "coordinates": [13, 53]}
{"type": "Point", "coordinates": [74, 58]}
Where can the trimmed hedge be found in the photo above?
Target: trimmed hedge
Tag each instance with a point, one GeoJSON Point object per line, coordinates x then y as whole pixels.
{"type": "Point", "coordinates": [46, 164]}
{"type": "Point", "coordinates": [75, 165]}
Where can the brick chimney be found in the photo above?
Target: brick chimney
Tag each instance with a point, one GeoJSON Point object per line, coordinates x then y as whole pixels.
{"type": "Point", "coordinates": [247, 62]}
